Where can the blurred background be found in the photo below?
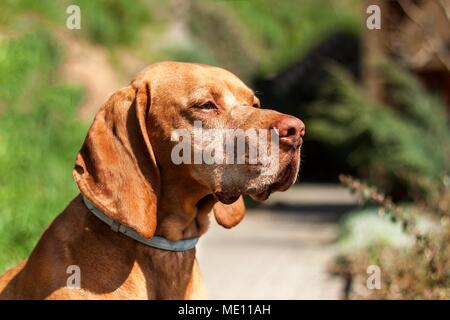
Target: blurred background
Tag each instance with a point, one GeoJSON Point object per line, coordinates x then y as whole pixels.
{"type": "Point", "coordinates": [374, 184]}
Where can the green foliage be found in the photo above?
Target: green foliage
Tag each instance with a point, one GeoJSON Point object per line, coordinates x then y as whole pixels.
{"type": "Point", "coordinates": [107, 22]}
{"type": "Point", "coordinates": [112, 22]}
{"type": "Point", "coordinates": [39, 138]}
{"type": "Point", "coordinates": [218, 34]}
{"type": "Point", "coordinates": [248, 37]}
{"type": "Point", "coordinates": [415, 264]}
{"type": "Point", "coordinates": [400, 147]}
{"type": "Point", "coordinates": [262, 36]}
{"type": "Point", "coordinates": [19, 12]}
{"type": "Point", "coordinates": [282, 31]}
{"type": "Point", "coordinates": [20, 60]}
{"type": "Point", "coordinates": [190, 54]}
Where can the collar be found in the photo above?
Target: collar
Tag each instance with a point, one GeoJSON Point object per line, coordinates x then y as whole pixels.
{"type": "Point", "coordinates": [155, 242]}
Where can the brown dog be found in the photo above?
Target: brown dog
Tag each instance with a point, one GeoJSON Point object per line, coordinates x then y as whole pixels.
{"type": "Point", "coordinates": [126, 169]}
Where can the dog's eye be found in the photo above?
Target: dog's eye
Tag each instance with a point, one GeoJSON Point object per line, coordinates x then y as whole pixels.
{"type": "Point", "coordinates": [208, 106]}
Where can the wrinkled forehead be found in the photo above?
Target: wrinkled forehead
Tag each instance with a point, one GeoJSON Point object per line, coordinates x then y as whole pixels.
{"type": "Point", "coordinates": [188, 83]}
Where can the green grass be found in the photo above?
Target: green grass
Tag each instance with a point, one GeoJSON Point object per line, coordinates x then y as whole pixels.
{"type": "Point", "coordinates": [39, 137]}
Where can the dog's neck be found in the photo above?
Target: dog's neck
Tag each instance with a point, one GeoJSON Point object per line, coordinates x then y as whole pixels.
{"type": "Point", "coordinates": [185, 216]}
{"type": "Point", "coordinates": [166, 273]}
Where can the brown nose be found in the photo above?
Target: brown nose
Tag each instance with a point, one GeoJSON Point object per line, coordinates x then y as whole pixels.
{"type": "Point", "coordinates": [290, 130]}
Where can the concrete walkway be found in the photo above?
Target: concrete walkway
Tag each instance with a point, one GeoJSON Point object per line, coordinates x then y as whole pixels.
{"type": "Point", "coordinates": [280, 250]}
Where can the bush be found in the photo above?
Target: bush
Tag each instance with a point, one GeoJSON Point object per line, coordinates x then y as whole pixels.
{"type": "Point", "coordinates": [258, 38]}
{"type": "Point", "coordinates": [417, 270]}
{"type": "Point", "coordinates": [112, 22]}
{"type": "Point", "coordinates": [39, 137]}
{"type": "Point", "coordinates": [107, 22]}
{"type": "Point", "coordinates": [402, 148]}
{"type": "Point", "coordinates": [283, 33]}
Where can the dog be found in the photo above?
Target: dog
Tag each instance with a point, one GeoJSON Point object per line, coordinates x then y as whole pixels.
{"type": "Point", "coordinates": [131, 232]}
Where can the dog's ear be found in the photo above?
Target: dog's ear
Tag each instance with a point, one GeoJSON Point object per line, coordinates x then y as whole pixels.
{"type": "Point", "coordinates": [229, 215]}
{"type": "Point", "coordinates": [116, 167]}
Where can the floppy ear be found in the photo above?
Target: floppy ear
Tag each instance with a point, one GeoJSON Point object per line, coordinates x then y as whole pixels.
{"type": "Point", "coordinates": [116, 168]}
{"type": "Point", "coordinates": [229, 215]}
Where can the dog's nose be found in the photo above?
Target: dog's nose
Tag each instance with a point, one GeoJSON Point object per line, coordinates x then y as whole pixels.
{"type": "Point", "coordinates": [290, 130]}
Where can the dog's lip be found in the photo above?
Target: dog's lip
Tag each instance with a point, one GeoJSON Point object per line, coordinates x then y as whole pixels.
{"type": "Point", "coordinates": [284, 181]}
{"type": "Point", "coordinates": [226, 198]}
{"type": "Point", "coordinates": [264, 195]}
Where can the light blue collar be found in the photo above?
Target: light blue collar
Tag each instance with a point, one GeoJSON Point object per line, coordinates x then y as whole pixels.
{"type": "Point", "coordinates": [155, 241]}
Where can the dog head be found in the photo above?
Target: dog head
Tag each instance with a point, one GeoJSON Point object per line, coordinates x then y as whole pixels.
{"type": "Point", "coordinates": [186, 123]}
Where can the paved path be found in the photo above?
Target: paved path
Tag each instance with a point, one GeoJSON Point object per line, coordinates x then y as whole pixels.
{"type": "Point", "coordinates": [280, 250]}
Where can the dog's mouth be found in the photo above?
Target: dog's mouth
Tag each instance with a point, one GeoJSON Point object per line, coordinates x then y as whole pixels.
{"type": "Point", "coordinates": [286, 178]}
{"type": "Point", "coordinates": [226, 198]}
